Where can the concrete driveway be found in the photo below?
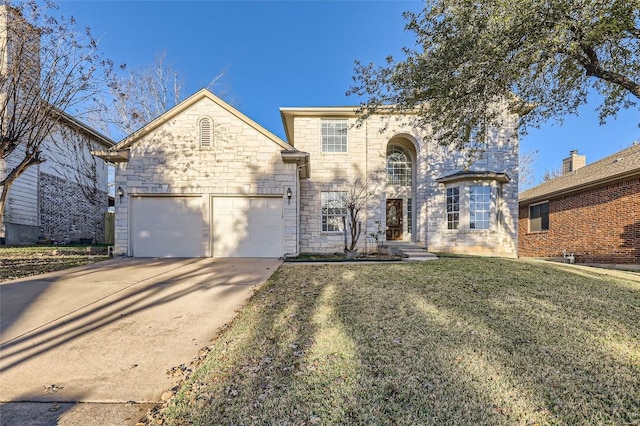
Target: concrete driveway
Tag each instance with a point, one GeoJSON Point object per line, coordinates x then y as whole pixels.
{"type": "Point", "coordinates": [92, 345]}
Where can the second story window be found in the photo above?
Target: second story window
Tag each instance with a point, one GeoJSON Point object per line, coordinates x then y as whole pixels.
{"type": "Point", "coordinates": [334, 135]}
{"type": "Point", "coordinates": [398, 167]}
{"type": "Point", "coordinates": [205, 133]}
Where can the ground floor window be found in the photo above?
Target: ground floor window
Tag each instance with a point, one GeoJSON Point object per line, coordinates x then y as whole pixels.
{"type": "Point", "coordinates": [539, 217]}
{"type": "Point", "coordinates": [333, 210]}
{"type": "Point", "coordinates": [409, 216]}
{"type": "Point", "coordinates": [479, 206]}
{"type": "Point", "coordinates": [453, 207]}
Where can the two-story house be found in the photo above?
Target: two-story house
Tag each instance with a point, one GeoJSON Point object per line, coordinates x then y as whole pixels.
{"type": "Point", "coordinates": [205, 180]}
{"type": "Point", "coordinates": [63, 198]}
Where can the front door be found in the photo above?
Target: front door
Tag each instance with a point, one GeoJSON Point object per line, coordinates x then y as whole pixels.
{"type": "Point", "coordinates": [394, 219]}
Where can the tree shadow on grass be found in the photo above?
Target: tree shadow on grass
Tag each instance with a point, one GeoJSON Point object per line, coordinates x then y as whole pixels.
{"type": "Point", "coordinates": [458, 341]}
{"type": "Point", "coordinates": [506, 346]}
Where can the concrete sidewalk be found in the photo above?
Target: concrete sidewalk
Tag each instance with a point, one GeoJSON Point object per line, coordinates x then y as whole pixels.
{"type": "Point", "coordinates": [92, 345]}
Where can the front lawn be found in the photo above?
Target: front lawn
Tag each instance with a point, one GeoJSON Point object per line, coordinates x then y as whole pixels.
{"type": "Point", "coordinates": [462, 341]}
{"type": "Point", "coordinates": [24, 261]}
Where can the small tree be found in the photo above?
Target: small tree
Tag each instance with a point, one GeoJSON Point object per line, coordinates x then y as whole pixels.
{"type": "Point", "coordinates": [354, 198]}
{"type": "Point", "coordinates": [526, 176]}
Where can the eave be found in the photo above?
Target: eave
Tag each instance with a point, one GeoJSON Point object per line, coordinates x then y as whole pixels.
{"type": "Point", "coordinates": [113, 155]}
{"type": "Point", "coordinates": [472, 175]}
{"type": "Point", "coordinates": [302, 159]}
{"type": "Point", "coordinates": [288, 114]}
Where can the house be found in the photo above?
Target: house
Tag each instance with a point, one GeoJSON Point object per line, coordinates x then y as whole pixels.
{"type": "Point", "coordinates": [592, 211]}
{"type": "Point", "coordinates": [419, 191]}
{"type": "Point", "coordinates": [204, 180]}
{"type": "Point", "coordinates": [63, 198]}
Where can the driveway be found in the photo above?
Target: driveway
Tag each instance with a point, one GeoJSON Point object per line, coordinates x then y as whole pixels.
{"type": "Point", "coordinates": [105, 335]}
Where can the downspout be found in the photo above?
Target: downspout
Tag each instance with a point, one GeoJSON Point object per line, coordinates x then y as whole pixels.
{"type": "Point", "coordinates": [366, 172]}
{"type": "Point", "coordinates": [425, 218]}
{"type": "Point", "coordinates": [297, 157]}
{"type": "Point", "coordinates": [297, 214]}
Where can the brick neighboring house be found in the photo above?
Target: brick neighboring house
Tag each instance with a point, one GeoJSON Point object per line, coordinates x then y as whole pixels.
{"type": "Point", "coordinates": [204, 180]}
{"type": "Point", "coordinates": [591, 210]}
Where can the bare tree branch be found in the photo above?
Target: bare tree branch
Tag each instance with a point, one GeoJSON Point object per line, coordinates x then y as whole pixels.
{"type": "Point", "coordinates": [50, 69]}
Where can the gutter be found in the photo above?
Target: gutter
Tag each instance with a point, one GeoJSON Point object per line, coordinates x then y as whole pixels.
{"type": "Point", "coordinates": [302, 159]}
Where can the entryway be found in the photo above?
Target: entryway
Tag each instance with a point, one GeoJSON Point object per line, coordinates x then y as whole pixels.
{"type": "Point", "coordinates": [394, 219]}
{"type": "Point", "coordinates": [400, 189]}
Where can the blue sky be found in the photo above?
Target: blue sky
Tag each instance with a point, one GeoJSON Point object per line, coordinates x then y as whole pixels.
{"type": "Point", "coordinates": [298, 53]}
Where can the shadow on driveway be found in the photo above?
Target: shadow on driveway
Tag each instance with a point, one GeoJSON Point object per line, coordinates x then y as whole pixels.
{"type": "Point", "coordinates": [109, 332]}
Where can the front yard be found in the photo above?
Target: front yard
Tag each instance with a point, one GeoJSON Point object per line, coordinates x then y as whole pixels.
{"type": "Point", "coordinates": [19, 262]}
{"type": "Point", "coordinates": [463, 341]}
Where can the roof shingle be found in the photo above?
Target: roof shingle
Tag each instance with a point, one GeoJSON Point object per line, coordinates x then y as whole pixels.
{"type": "Point", "coordinates": [625, 163]}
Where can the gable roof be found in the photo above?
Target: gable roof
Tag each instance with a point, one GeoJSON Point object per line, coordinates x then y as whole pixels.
{"type": "Point", "coordinates": [621, 165]}
{"type": "Point", "coordinates": [186, 104]}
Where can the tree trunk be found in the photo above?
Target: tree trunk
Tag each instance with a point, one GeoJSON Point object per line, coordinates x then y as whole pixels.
{"type": "Point", "coordinates": [3, 203]}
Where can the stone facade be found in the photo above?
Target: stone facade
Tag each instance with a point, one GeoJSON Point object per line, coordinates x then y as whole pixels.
{"type": "Point", "coordinates": [242, 160]}
{"type": "Point", "coordinates": [66, 214]}
{"type": "Point", "coordinates": [169, 158]}
{"type": "Point", "coordinates": [424, 201]}
{"type": "Point", "coordinates": [599, 225]}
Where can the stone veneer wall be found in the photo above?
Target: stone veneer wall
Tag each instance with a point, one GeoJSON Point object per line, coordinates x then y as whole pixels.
{"type": "Point", "coordinates": [66, 213]}
{"type": "Point", "coordinates": [366, 158]}
{"type": "Point", "coordinates": [599, 225]}
{"type": "Point", "coordinates": [241, 161]}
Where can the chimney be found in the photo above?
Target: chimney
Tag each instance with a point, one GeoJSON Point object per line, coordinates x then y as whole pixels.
{"type": "Point", "coordinates": [573, 162]}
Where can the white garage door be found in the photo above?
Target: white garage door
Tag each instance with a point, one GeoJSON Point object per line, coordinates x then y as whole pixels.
{"type": "Point", "coordinates": [166, 226]}
{"type": "Point", "coordinates": [247, 227]}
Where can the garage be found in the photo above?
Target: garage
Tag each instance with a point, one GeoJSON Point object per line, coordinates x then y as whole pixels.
{"type": "Point", "coordinates": [166, 226]}
{"type": "Point", "coordinates": [247, 227]}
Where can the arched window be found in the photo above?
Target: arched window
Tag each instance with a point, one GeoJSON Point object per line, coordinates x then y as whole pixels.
{"type": "Point", "coordinates": [398, 167]}
{"type": "Point", "coordinates": [206, 133]}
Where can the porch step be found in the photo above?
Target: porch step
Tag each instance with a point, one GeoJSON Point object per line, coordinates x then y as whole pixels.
{"type": "Point", "coordinates": [414, 252]}
{"type": "Point", "coordinates": [418, 255]}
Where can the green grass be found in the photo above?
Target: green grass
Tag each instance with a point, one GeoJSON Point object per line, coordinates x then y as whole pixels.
{"type": "Point", "coordinates": [25, 261]}
{"type": "Point", "coordinates": [463, 341]}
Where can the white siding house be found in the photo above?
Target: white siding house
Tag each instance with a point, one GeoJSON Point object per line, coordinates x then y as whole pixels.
{"type": "Point", "coordinates": [63, 198]}
{"type": "Point", "coordinates": [58, 200]}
